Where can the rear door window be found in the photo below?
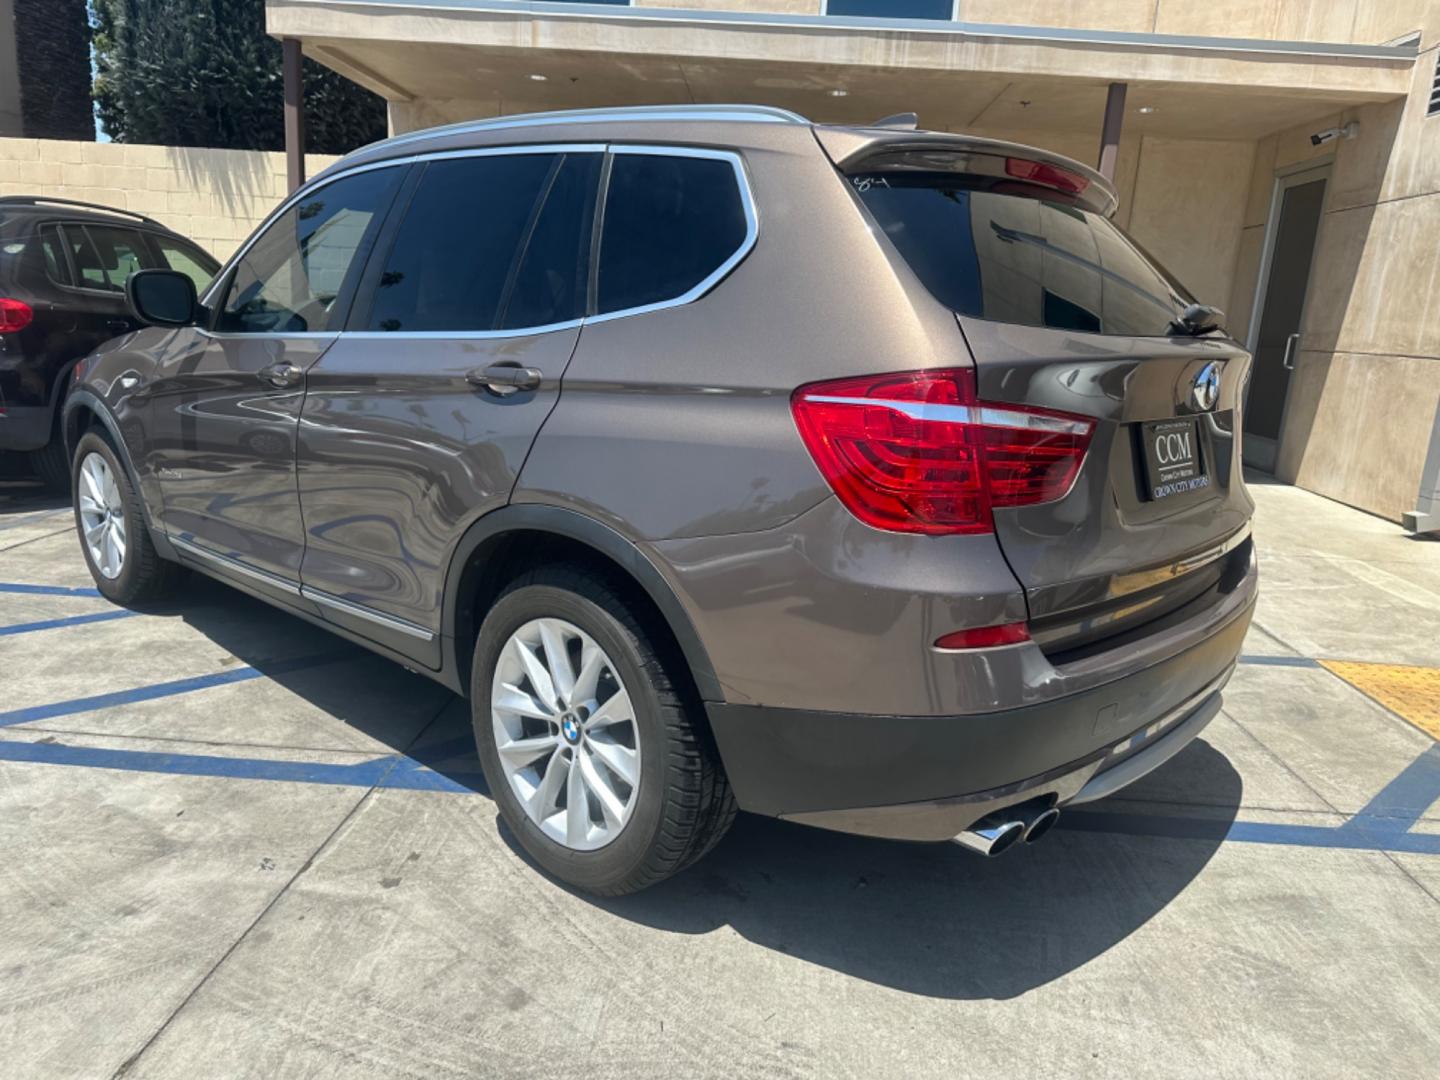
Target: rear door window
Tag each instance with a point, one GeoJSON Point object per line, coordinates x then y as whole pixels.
{"type": "Point", "coordinates": [671, 223]}
{"type": "Point", "coordinates": [490, 242]}
{"type": "Point", "coordinates": [1019, 259]}
{"type": "Point", "coordinates": [110, 255]}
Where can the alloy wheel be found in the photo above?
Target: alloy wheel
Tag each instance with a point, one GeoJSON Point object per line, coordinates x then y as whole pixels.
{"type": "Point", "coordinates": [565, 733]}
{"type": "Point", "coordinates": [102, 515]}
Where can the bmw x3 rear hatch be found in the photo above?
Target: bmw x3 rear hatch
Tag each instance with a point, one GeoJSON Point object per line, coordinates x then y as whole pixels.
{"type": "Point", "coordinates": [1070, 322]}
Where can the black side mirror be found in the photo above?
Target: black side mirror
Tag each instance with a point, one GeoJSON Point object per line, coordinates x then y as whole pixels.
{"type": "Point", "coordinates": [162, 298]}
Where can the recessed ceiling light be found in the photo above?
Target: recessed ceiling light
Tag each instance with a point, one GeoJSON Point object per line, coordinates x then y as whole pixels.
{"type": "Point", "coordinates": [837, 92]}
{"type": "Point", "coordinates": [539, 78]}
{"type": "Point", "coordinates": [1145, 110]}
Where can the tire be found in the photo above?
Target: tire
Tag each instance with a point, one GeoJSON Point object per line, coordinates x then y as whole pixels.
{"type": "Point", "coordinates": [139, 575]}
{"type": "Point", "coordinates": [681, 805]}
{"type": "Point", "coordinates": [51, 465]}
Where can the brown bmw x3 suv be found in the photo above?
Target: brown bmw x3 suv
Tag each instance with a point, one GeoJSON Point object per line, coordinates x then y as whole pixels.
{"type": "Point", "coordinates": [869, 478]}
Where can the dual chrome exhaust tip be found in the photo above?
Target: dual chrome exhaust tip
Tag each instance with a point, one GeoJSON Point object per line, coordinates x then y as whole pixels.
{"type": "Point", "coordinates": [1001, 831]}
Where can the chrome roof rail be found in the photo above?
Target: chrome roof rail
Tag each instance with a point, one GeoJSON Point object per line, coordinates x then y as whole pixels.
{"type": "Point", "coordinates": [762, 114]}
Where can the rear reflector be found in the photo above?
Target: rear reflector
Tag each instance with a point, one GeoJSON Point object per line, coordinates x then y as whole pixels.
{"type": "Point", "coordinates": [985, 637]}
{"type": "Point", "coordinates": [918, 452]}
{"type": "Point", "coordinates": [14, 315]}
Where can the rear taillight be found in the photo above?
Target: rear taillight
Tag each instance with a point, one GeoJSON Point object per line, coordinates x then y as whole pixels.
{"type": "Point", "coordinates": [985, 637]}
{"type": "Point", "coordinates": [918, 452]}
{"type": "Point", "coordinates": [1047, 175]}
{"type": "Point", "coordinates": [14, 315]}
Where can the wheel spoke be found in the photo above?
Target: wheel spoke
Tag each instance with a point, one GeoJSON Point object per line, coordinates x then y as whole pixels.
{"type": "Point", "coordinates": [510, 698]}
{"type": "Point", "coordinates": [557, 657]}
{"type": "Point", "coordinates": [539, 677]}
{"type": "Point", "coordinates": [577, 809]}
{"type": "Point", "coordinates": [610, 803]}
{"type": "Point", "coordinates": [112, 492]}
{"type": "Point", "coordinates": [524, 751]}
{"type": "Point", "coordinates": [543, 802]}
{"type": "Point", "coordinates": [592, 663]}
{"type": "Point", "coordinates": [616, 710]}
{"type": "Point", "coordinates": [620, 759]}
{"type": "Point", "coordinates": [95, 533]}
{"type": "Point", "coordinates": [92, 484]}
{"type": "Point", "coordinates": [117, 539]}
{"type": "Point", "coordinates": [89, 505]}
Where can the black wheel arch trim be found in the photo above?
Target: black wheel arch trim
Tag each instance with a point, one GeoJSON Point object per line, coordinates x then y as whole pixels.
{"type": "Point", "coordinates": [536, 517]}
{"type": "Point", "coordinates": [79, 400]}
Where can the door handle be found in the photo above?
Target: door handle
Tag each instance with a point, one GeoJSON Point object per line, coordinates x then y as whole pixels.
{"type": "Point", "coordinates": [282, 373]}
{"type": "Point", "coordinates": [1288, 362]}
{"type": "Point", "coordinates": [120, 326]}
{"type": "Point", "coordinates": [505, 379]}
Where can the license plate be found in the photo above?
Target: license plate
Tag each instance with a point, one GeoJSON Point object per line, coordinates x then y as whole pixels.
{"type": "Point", "coordinates": [1173, 462]}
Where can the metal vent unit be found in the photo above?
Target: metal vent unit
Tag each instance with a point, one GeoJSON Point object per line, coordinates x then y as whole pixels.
{"type": "Point", "coordinates": [1435, 89]}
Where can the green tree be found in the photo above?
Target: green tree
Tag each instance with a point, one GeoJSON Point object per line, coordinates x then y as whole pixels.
{"type": "Point", "coordinates": [205, 73]}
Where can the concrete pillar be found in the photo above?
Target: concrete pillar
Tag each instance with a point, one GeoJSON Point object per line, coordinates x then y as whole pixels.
{"type": "Point", "coordinates": [294, 113]}
{"type": "Point", "coordinates": [1110, 131]}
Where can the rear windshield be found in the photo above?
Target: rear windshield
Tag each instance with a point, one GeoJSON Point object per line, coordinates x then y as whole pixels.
{"type": "Point", "coordinates": [1020, 259]}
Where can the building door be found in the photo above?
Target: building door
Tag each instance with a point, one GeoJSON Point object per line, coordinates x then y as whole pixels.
{"type": "Point", "coordinates": [1275, 337]}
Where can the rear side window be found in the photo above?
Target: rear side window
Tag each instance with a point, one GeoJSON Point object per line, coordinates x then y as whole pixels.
{"type": "Point", "coordinates": [291, 278]}
{"type": "Point", "coordinates": [671, 222]}
{"type": "Point", "coordinates": [52, 248]}
{"type": "Point", "coordinates": [1019, 259]}
{"type": "Point", "coordinates": [490, 242]}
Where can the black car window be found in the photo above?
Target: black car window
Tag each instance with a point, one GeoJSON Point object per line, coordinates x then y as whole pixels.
{"type": "Point", "coordinates": [670, 222]}
{"type": "Point", "coordinates": [188, 259]}
{"type": "Point", "coordinates": [53, 250]}
{"type": "Point", "coordinates": [486, 241]}
{"type": "Point", "coordinates": [290, 279]}
{"type": "Point", "coordinates": [115, 252]}
{"type": "Point", "coordinates": [1019, 259]}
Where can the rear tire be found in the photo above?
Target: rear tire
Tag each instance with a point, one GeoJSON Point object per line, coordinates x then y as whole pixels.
{"type": "Point", "coordinates": [110, 521]}
{"type": "Point", "coordinates": [681, 804]}
{"type": "Point", "coordinates": [51, 464]}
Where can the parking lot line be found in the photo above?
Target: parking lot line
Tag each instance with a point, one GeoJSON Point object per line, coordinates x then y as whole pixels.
{"type": "Point", "coordinates": [45, 590]}
{"type": "Point", "coordinates": [69, 620]}
{"type": "Point", "coordinates": [163, 689]}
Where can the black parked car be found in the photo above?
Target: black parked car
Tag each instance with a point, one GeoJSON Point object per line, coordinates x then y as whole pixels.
{"type": "Point", "coordinates": [63, 267]}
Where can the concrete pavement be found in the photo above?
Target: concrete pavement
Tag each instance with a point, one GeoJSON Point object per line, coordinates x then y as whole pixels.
{"type": "Point", "coordinates": [235, 845]}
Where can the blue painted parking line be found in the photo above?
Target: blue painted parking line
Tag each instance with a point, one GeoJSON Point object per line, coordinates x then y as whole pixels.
{"type": "Point", "coordinates": [1280, 661]}
{"type": "Point", "coordinates": [161, 690]}
{"type": "Point", "coordinates": [395, 771]}
{"type": "Point", "coordinates": [44, 590]}
{"type": "Point", "coordinates": [72, 620]}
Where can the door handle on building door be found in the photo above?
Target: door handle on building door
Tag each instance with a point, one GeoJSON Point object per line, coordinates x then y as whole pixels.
{"type": "Point", "coordinates": [1288, 363]}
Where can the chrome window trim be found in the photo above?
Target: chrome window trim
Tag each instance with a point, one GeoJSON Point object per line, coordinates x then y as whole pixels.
{"type": "Point", "coordinates": [229, 562]}
{"type": "Point", "coordinates": [721, 272]}
{"type": "Point", "coordinates": [989, 415]}
{"type": "Point", "coordinates": [460, 335]}
{"type": "Point", "coordinates": [391, 622]}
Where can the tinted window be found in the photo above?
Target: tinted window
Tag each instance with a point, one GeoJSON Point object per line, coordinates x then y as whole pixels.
{"type": "Point", "coordinates": [490, 242]}
{"type": "Point", "coordinates": [53, 250]}
{"type": "Point", "coordinates": [188, 259]}
{"type": "Point", "coordinates": [290, 279]}
{"type": "Point", "coordinates": [106, 256]}
{"type": "Point", "coordinates": [670, 222]}
{"type": "Point", "coordinates": [1019, 259]}
{"type": "Point", "coordinates": [894, 9]}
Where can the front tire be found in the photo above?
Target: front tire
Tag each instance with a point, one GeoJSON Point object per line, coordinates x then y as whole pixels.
{"type": "Point", "coordinates": [594, 755]}
{"type": "Point", "coordinates": [110, 521]}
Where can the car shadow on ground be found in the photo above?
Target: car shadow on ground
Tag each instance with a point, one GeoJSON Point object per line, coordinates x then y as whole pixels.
{"type": "Point", "coordinates": [928, 919]}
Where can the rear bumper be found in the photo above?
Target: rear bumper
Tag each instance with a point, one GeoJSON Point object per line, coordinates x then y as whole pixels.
{"type": "Point", "coordinates": [25, 427]}
{"type": "Point", "coordinates": [930, 777]}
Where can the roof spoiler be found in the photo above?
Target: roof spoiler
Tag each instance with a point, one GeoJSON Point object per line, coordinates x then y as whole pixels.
{"type": "Point", "coordinates": [857, 149]}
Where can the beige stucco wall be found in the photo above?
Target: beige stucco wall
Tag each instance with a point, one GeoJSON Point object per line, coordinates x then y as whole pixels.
{"type": "Point", "coordinates": [1364, 401]}
{"type": "Point", "coordinates": [215, 197]}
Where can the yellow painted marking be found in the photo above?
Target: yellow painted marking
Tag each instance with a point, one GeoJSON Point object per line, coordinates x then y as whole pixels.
{"type": "Point", "coordinates": [1411, 692]}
